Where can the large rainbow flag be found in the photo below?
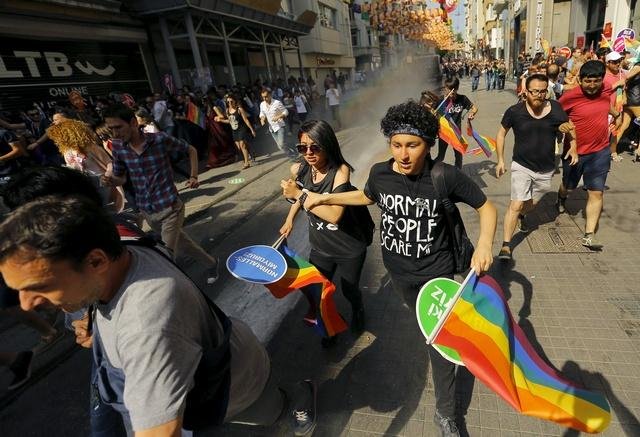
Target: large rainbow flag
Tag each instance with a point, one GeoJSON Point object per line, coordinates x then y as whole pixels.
{"type": "Point", "coordinates": [450, 133]}
{"type": "Point", "coordinates": [195, 115]}
{"type": "Point", "coordinates": [479, 326]}
{"type": "Point", "coordinates": [322, 313]}
{"type": "Point", "coordinates": [487, 144]}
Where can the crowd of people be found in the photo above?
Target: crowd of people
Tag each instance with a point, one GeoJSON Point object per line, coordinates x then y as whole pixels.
{"type": "Point", "coordinates": [185, 363]}
{"type": "Point", "coordinates": [126, 157]}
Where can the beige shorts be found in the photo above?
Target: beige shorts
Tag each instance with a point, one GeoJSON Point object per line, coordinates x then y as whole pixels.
{"type": "Point", "coordinates": [527, 184]}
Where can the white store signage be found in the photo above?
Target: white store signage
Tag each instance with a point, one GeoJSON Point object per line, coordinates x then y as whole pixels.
{"type": "Point", "coordinates": [539, 12]}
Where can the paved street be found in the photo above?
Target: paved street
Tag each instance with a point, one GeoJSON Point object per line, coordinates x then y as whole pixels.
{"type": "Point", "coordinates": [581, 310]}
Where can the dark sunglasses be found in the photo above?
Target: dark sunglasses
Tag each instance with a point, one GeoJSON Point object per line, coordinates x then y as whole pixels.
{"type": "Point", "coordinates": [303, 148]}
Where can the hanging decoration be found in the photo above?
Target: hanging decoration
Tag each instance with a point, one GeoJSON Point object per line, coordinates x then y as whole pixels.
{"type": "Point", "coordinates": [414, 20]}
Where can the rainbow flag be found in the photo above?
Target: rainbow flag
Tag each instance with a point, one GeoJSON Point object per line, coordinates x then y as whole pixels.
{"type": "Point", "coordinates": [450, 133]}
{"type": "Point", "coordinates": [322, 313]}
{"type": "Point", "coordinates": [487, 144]}
{"type": "Point", "coordinates": [633, 47]}
{"type": "Point", "coordinates": [479, 326]}
{"type": "Point", "coordinates": [195, 115]}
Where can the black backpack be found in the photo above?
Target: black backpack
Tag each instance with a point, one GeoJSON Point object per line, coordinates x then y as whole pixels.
{"type": "Point", "coordinates": [462, 246]}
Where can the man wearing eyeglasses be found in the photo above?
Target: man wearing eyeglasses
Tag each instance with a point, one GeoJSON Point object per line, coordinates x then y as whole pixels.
{"type": "Point", "coordinates": [274, 112]}
{"type": "Point", "coordinates": [588, 107]}
{"type": "Point", "coordinates": [536, 122]}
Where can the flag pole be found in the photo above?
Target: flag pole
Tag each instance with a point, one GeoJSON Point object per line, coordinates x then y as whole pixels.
{"type": "Point", "coordinates": [443, 100]}
{"type": "Point", "coordinates": [279, 241]}
{"type": "Point", "coordinates": [447, 311]}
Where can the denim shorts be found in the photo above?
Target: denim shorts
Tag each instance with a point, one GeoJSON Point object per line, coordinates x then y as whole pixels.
{"type": "Point", "coordinates": [592, 168]}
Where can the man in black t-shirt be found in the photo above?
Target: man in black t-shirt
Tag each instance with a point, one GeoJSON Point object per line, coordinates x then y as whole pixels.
{"type": "Point", "coordinates": [416, 246]}
{"type": "Point", "coordinates": [536, 122]}
{"type": "Point", "coordinates": [455, 105]}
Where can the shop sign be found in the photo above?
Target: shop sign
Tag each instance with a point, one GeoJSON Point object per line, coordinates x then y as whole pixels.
{"type": "Point", "coordinates": [539, 14]}
{"type": "Point", "coordinates": [321, 60]}
{"type": "Point", "coordinates": [45, 72]}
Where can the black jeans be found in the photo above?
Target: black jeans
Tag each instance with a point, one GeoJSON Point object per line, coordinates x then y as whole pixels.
{"type": "Point", "coordinates": [347, 273]}
{"type": "Point", "coordinates": [442, 370]}
{"type": "Point", "coordinates": [442, 151]}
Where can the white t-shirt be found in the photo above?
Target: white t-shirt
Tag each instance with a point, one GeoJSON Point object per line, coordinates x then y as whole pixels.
{"type": "Point", "coordinates": [271, 111]}
{"type": "Point", "coordinates": [333, 95]}
{"type": "Point", "coordinates": [300, 104]}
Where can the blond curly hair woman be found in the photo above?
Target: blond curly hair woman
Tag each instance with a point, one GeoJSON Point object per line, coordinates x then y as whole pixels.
{"type": "Point", "coordinates": [79, 145]}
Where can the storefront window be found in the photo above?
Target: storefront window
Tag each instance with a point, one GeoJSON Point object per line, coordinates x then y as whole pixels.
{"type": "Point", "coordinates": [327, 16]}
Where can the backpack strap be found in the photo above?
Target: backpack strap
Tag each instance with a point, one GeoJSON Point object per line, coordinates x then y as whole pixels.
{"type": "Point", "coordinates": [439, 183]}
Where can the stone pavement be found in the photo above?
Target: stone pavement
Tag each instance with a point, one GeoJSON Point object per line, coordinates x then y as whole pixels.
{"type": "Point", "coordinates": [580, 309]}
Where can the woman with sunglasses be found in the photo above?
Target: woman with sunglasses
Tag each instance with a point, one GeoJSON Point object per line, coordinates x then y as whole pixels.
{"type": "Point", "coordinates": [338, 246]}
{"type": "Point", "coordinates": [238, 119]}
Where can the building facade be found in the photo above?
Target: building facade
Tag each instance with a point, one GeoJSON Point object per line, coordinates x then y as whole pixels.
{"type": "Point", "coordinates": [99, 47]}
{"type": "Point", "coordinates": [327, 48]}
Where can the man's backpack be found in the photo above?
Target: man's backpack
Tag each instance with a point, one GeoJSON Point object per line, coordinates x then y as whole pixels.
{"type": "Point", "coordinates": [462, 246]}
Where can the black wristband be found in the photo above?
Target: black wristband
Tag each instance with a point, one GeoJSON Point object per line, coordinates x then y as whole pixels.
{"type": "Point", "coordinates": [302, 198]}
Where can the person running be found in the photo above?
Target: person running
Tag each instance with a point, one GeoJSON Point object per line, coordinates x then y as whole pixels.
{"type": "Point", "coordinates": [300, 100]}
{"type": "Point", "coordinates": [588, 107]}
{"type": "Point", "coordinates": [455, 105]}
{"type": "Point", "coordinates": [338, 249]}
{"type": "Point", "coordinates": [403, 189]}
{"type": "Point", "coordinates": [238, 119]}
{"type": "Point", "coordinates": [536, 123]}
{"type": "Point", "coordinates": [274, 113]}
{"type": "Point", "coordinates": [80, 147]}
{"type": "Point", "coordinates": [144, 158]}
{"type": "Point", "coordinates": [167, 357]}
{"type": "Point", "coordinates": [632, 108]}
{"type": "Point", "coordinates": [333, 96]}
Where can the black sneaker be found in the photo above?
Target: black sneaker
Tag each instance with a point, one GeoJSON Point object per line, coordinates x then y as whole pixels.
{"type": "Point", "coordinates": [357, 319]}
{"type": "Point", "coordinates": [213, 273]}
{"type": "Point", "coordinates": [21, 368]}
{"type": "Point", "coordinates": [505, 254]}
{"type": "Point", "coordinates": [304, 409]}
{"type": "Point", "coordinates": [328, 342]}
{"type": "Point", "coordinates": [522, 224]}
{"type": "Point", "coordinates": [447, 425]}
{"type": "Point", "coordinates": [560, 204]}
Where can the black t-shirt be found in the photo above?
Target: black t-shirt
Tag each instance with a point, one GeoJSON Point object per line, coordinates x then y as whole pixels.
{"type": "Point", "coordinates": [460, 103]}
{"type": "Point", "coordinates": [535, 139]}
{"type": "Point", "coordinates": [341, 240]}
{"type": "Point", "coordinates": [415, 242]}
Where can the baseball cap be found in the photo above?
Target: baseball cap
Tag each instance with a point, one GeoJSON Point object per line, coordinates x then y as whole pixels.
{"type": "Point", "coordinates": [613, 56]}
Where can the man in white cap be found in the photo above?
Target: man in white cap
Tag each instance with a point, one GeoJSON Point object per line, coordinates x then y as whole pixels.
{"type": "Point", "coordinates": [614, 74]}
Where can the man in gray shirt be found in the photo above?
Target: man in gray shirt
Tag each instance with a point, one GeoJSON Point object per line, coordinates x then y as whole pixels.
{"type": "Point", "coordinates": [167, 357]}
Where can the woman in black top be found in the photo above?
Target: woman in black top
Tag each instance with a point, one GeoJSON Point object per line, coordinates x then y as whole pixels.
{"type": "Point", "coordinates": [237, 117]}
{"type": "Point", "coordinates": [338, 248]}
